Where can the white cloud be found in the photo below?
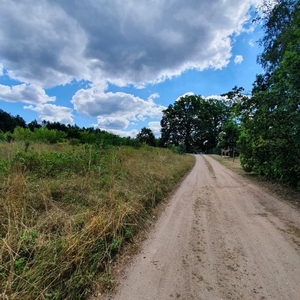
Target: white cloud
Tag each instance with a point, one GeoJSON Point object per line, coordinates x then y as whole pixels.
{"type": "Point", "coordinates": [53, 113]}
{"type": "Point", "coordinates": [238, 59]}
{"type": "Point", "coordinates": [251, 43]}
{"type": "Point", "coordinates": [123, 133]}
{"type": "Point", "coordinates": [114, 123]}
{"type": "Point", "coordinates": [122, 41]}
{"type": "Point", "coordinates": [155, 127]}
{"type": "Point", "coordinates": [217, 97]}
{"type": "Point", "coordinates": [154, 96]}
{"type": "Point", "coordinates": [30, 94]}
{"type": "Point", "coordinates": [1, 70]}
{"type": "Point", "coordinates": [115, 110]}
{"type": "Point", "coordinates": [185, 94]}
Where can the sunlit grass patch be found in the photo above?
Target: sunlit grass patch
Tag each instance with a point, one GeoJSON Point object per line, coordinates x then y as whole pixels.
{"type": "Point", "coordinates": [67, 211]}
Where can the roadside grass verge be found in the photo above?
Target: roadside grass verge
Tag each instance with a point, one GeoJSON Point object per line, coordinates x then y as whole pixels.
{"type": "Point", "coordinates": [282, 191]}
{"type": "Point", "coordinates": [67, 211]}
{"type": "Point", "coordinates": [234, 166]}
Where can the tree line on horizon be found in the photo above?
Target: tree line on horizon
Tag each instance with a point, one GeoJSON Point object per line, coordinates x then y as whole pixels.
{"type": "Point", "coordinates": [14, 128]}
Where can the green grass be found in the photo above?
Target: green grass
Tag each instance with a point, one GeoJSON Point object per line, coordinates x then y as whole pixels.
{"type": "Point", "coordinates": [67, 211]}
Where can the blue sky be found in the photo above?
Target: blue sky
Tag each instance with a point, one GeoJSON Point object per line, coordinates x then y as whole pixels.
{"type": "Point", "coordinates": [117, 64]}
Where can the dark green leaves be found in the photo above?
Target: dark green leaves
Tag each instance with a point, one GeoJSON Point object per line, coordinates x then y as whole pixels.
{"type": "Point", "coordinates": [270, 137]}
{"type": "Point", "coordinates": [193, 122]}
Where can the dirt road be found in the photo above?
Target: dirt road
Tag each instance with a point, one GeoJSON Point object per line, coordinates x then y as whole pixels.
{"type": "Point", "coordinates": [220, 237]}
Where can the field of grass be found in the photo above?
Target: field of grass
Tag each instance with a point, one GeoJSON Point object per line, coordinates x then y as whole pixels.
{"type": "Point", "coordinates": [67, 211]}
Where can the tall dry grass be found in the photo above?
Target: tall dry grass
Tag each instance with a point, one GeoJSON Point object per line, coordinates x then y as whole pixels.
{"type": "Point", "coordinates": [66, 212]}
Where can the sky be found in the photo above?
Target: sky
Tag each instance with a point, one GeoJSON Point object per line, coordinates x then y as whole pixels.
{"type": "Point", "coordinates": [116, 64]}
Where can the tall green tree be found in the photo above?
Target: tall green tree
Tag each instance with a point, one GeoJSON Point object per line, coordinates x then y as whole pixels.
{"type": "Point", "coordinates": [229, 135]}
{"type": "Point", "coordinates": [146, 136]}
{"type": "Point", "coordinates": [9, 122]}
{"type": "Point", "coordinates": [193, 122]}
{"type": "Point", "coordinates": [277, 24]}
{"type": "Point", "coordinates": [270, 137]}
{"type": "Point", "coordinates": [34, 124]}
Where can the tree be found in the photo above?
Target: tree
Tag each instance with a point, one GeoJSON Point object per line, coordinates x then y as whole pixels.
{"type": "Point", "coordinates": [22, 134]}
{"type": "Point", "coordinates": [193, 122]}
{"type": "Point", "coordinates": [9, 123]}
{"type": "Point", "coordinates": [229, 135]}
{"type": "Point", "coordinates": [277, 23]}
{"type": "Point", "coordinates": [270, 131]}
{"type": "Point", "coordinates": [34, 124]}
{"type": "Point", "coordinates": [146, 136]}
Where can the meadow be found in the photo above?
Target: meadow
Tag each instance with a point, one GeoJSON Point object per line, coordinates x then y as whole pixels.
{"type": "Point", "coordinates": [66, 211]}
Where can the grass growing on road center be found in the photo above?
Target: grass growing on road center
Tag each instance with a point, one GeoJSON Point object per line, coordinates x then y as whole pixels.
{"type": "Point", "coordinates": [66, 211]}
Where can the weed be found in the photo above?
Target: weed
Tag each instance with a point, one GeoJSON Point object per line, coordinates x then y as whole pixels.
{"type": "Point", "coordinates": [294, 230]}
{"type": "Point", "coordinates": [26, 145]}
{"type": "Point", "coordinates": [114, 246]}
{"type": "Point", "coordinates": [67, 211]}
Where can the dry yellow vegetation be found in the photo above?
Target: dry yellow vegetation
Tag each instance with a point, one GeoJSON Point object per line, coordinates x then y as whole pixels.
{"type": "Point", "coordinates": [67, 211]}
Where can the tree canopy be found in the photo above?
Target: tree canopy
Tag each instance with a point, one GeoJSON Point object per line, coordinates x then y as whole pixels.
{"type": "Point", "coordinates": [270, 131]}
{"type": "Point", "coordinates": [194, 122]}
{"type": "Point", "coordinates": [146, 136]}
{"type": "Point", "coordinates": [9, 122]}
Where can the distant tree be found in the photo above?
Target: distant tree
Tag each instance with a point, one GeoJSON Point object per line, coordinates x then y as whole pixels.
{"type": "Point", "coordinates": [34, 124]}
{"type": "Point", "coordinates": [22, 134]}
{"type": "Point", "coordinates": [9, 123]}
{"type": "Point", "coordinates": [193, 122]}
{"type": "Point", "coordinates": [146, 136]}
{"type": "Point", "coordinates": [73, 132]}
{"type": "Point", "coordinates": [6, 121]}
{"type": "Point", "coordinates": [229, 136]}
{"type": "Point", "coordinates": [57, 126]}
{"type": "Point", "coordinates": [20, 121]}
{"type": "Point", "coordinates": [87, 137]}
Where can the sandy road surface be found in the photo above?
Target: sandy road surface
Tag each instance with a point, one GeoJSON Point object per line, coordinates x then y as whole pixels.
{"type": "Point", "coordinates": [220, 237]}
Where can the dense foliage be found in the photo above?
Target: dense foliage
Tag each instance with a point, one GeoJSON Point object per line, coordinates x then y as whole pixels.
{"type": "Point", "coordinates": [229, 135]}
{"type": "Point", "coordinates": [8, 122]}
{"type": "Point", "coordinates": [146, 136]}
{"type": "Point", "coordinates": [270, 136]}
{"type": "Point", "coordinates": [194, 122]}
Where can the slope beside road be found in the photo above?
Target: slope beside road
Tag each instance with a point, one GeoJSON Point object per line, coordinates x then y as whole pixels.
{"type": "Point", "coordinates": [220, 237]}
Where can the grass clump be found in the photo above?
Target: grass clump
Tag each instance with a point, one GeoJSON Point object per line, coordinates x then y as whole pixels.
{"type": "Point", "coordinates": [66, 211]}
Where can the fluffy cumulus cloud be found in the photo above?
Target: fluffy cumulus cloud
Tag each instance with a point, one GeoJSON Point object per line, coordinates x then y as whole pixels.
{"type": "Point", "coordinates": [238, 59]}
{"type": "Point", "coordinates": [131, 133]}
{"type": "Point", "coordinates": [53, 113]}
{"type": "Point", "coordinates": [53, 42]}
{"type": "Point", "coordinates": [48, 43]}
{"type": "Point", "coordinates": [217, 97]}
{"type": "Point", "coordinates": [113, 123]}
{"type": "Point", "coordinates": [185, 94]}
{"type": "Point", "coordinates": [40, 43]}
{"type": "Point", "coordinates": [115, 110]}
{"type": "Point", "coordinates": [30, 94]}
{"type": "Point", "coordinates": [155, 127]}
